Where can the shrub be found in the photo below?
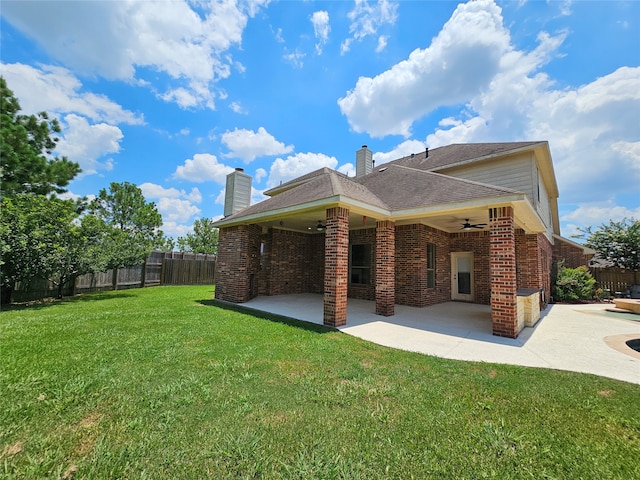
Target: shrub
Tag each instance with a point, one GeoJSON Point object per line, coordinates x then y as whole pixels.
{"type": "Point", "coordinates": [573, 284]}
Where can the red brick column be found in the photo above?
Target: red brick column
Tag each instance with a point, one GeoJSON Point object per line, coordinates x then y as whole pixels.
{"type": "Point", "coordinates": [232, 264]}
{"type": "Point", "coordinates": [385, 268]}
{"type": "Point", "coordinates": [336, 267]}
{"type": "Point", "coordinates": [502, 266]}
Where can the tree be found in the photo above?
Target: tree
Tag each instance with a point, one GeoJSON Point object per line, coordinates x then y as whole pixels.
{"type": "Point", "coordinates": [27, 143]}
{"type": "Point", "coordinates": [204, 238]}
{"type": "Point", "coordinates": [618, 242]}
{"type": "Point", "coordinates": [43, 237]}
{"type": "Point", "coordinates": [133, 224]}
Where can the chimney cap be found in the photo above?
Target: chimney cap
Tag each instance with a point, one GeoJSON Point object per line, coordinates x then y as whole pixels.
{"type": "Point", "coordinates": [239, 169]}
{"type": "Point", "coordinates": [364, 146]}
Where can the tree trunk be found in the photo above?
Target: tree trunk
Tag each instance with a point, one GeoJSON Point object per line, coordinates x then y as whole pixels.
{"type": "Point", "coordinates": [5, 294]}
{"type": "Point", "coordinates": [60, 288]}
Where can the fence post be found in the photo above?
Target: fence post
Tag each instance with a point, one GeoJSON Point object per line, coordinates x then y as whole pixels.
{"type": "Point", "coordinates": [143, 279]}
{"type": "Point", "coordinates": [115, 279]}
{"type": "Point", "coordinates": [162, 270]}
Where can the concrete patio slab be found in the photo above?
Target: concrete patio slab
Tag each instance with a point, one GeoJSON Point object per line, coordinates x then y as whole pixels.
{"type": "Point", "coordinates": [567, 337]}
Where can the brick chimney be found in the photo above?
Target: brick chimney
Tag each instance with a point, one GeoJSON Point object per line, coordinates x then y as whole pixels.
{"type": "Point", "coordinates": [238, 192]}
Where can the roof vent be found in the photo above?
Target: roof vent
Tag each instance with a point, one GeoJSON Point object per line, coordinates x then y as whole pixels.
{"type": "Point", "coordinates": [238, 192]}
{"type": "Point", "coordinates": [426, 152]}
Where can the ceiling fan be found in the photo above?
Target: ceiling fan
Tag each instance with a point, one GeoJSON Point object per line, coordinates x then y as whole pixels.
{"type": "Point", "coordinates": [468, 226]}
{"type": "Point", "coordinates": [319, 227]}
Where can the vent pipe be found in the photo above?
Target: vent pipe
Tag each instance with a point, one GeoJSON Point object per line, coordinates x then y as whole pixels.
{"type": "Point", "coordinates": [364, 161]}
{"type": "Point", "coordinates": [238, 192]}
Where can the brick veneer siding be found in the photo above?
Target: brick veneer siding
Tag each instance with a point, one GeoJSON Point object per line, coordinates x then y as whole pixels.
{"type": "Point", "coordinates": [295, 263]}
{"type": "Point", "coordinates": [573, 256]}
{"type": "Point", "coordinates": [502, 265]}
{"type": "Point", "coordinates": [336, 271]}
{"type": "Point", "coordinates": [238, 263]}
{"type": "Point", "coordinates": [364, 236]}
{"type": "Point", "coordinates": [385, 268]}
{"type": "Point", "coordinates": [478, 243]}
{"type": "Point", "coordinates": [534, 256]}
{"type": "Point", "coordinates": [411, 266]}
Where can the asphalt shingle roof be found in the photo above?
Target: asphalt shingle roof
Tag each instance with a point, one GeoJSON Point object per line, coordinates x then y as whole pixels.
{"type": "Point", "coordinates": [406, 183]}
{"type": "Point", "coordinates": [442, 157]}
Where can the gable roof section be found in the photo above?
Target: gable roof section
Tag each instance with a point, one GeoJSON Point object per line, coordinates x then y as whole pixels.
{"type": "Point", "coordinates": [324, 185]}
{"type": "Point", "coordinates": [420, 189]}
{"type": "Point", "coordinates": [283, 187]}
{"type": "Point", "coordinates": [460, 153]}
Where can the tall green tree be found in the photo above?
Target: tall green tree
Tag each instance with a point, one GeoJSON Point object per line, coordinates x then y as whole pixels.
{"type": "Point", "coordinates": [27, 142]}
{"type": "Point", "coordinates": [618, 242]}
{"type": "Point", "coordinates": [204, 238]}
{"type": "Point", "coordinates": [133, 224]}
{"type": "Point", "coordinates": [44, 238]}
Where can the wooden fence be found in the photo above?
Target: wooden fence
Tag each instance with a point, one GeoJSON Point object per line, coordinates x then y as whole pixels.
{"type": "Point", "coordinates": [161, 268]}
{"type": "Point", "coordinates": [615, 279]}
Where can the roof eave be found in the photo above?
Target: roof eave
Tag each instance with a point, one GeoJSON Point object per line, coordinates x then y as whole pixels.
{"type": "Point", "coordinates": [337, 200]}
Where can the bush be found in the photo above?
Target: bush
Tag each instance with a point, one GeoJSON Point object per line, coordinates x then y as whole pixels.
{"type": "Point", "coordinates": [573, 284]}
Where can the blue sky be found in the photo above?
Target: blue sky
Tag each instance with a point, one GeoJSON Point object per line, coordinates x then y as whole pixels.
{"type": "Point", "coordinates": [173, 95]}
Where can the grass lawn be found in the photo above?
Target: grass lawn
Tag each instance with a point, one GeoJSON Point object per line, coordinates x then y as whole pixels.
{"type": "Point", "coordinates": [161, 383]}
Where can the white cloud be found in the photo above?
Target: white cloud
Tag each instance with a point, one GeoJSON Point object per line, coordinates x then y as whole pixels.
{"type": "Point", "coordinates": [382, 43]}
{"type": "Point", "coordinates": [260, 174]}
{"type": "Point", "coordinates": [248, 145]}
{"type": "Point", "coordinates": [349, 169]}
{"type": "Point", "coordinates": [175, 229]}
{"type": "Point", "coordinates": [152, 190]}
{"type": "Point", "coordinates": [86, 144]}
{"type": "Point", "coordinates": [116, 40]}
{"type": "Point", "coordinates": [321, 29]}
{"type": "Point", "coordinates": [295, 58]}
{"type": "Point", "coordinates": [237, 108]}
{"type": "Point", "coordinates": [405, 148]}
{"type": "Point", "coordinates": [56, 90]}
{"type": "Point", "coordinates": [596, 214]}
{"type": "Point", "coordinates": [176, 206]}
{"type": "Point", "coordinates": [176, 209]}
{"type": "Point", "coordinates": [459, 63]}
{"type": "Point", "coordinates": [203, 167]}
{"type": "Point", "coordinates": [299, 164]}
{"type": "Point", "coordinates": [366, 19]}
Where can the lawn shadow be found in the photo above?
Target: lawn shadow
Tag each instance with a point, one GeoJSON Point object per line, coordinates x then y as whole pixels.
{"type": "Point", "coordinates": [273, 317]}
{"type": "Point", "coordinates": [53, 302]}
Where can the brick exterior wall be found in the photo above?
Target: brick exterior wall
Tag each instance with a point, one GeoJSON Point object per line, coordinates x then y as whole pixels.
{"type": "Point", "coordinates": [411, 266]}
{"type": "Point", "coordinates": [573, 256]}
{"type": "Point", "coordinates": [336, 271]}
{"type": "Point", "coordinates": [502, 265]}
{"type": "Point", "coordinates": [385, 268]}
{"type": "Point", "coordinates": [292, 263]}
{"type": "Point", "coordinates": [478, 243]}
{"type": "Point", "coordinates": [534, 257]}
{"type": "Point", "coordinates": [238, 263]}
{"type": "Point", "coordinates": [365, 236]}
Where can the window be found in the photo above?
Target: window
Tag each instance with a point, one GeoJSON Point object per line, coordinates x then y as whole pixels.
{"type": "Point", "coordinates": [360, 264]}
{"type": "Point", "coordinates": [431, 265]}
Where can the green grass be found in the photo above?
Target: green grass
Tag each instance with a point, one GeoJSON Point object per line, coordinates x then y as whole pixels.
{"type": "Point", "coordinates": [161, 383]}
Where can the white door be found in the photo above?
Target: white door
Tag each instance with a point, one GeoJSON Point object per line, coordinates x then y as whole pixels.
{"type": "Point", "coordinates": [462, 276]}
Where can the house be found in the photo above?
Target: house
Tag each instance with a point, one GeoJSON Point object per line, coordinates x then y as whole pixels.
{"type": "Point", "coordinates": [465, 222]}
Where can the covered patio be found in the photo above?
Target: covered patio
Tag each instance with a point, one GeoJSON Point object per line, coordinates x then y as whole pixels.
{"type": "Point", "coordinates": [579, 338]}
